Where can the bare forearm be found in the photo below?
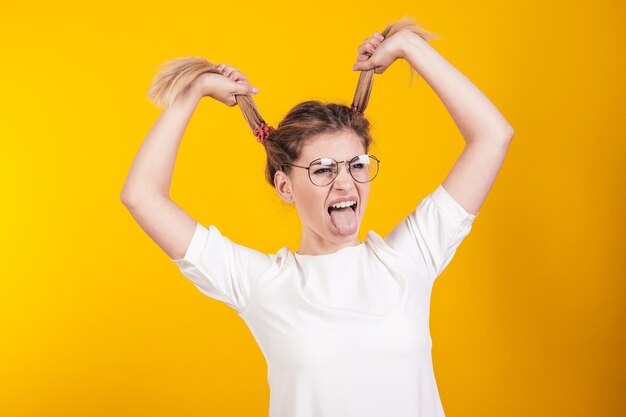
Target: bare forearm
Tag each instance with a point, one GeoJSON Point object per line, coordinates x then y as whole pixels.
{"type": "Point", "coordinates": [151, 171]}
{"type": "Point", "coordinates": [476, 117]}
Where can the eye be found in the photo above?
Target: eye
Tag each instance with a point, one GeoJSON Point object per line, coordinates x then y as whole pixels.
{"type": "Point", "coordinates": [360, 163]}
{"type": "Point", "coordinates": [322, 171]}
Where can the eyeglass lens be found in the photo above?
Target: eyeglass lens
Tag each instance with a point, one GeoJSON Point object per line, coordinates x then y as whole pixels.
{"type": "Point", "coordinates": [362, 168]}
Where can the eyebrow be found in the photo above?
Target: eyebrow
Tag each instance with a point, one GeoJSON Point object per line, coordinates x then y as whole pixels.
{"type": "Point", "coordinates": [321, 160]}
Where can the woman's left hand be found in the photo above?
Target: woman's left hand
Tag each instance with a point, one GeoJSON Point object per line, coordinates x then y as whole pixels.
{"type": "Point", "coordinates": [378, 53]}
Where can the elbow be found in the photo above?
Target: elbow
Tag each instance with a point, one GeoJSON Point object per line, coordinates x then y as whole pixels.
{"type": "Point", "coordinates": [509, 133]}
{"type": "Point", "coordinates": [133, 199]}
{"type": "Point", "coordinates": [130, 194]}
{"type": "Point", "coordinates": [505, 135]}
{"type": "Point", "coordinates": [126, 199]}
{"type": "Point", "coordinates": [500, 137]}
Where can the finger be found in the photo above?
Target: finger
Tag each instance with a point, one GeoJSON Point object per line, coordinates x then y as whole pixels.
{"type": "Point", "coordinates": [362, 51]}
{"type": "Point", "coordinates": [248, 89]}
{"type": "Point", "coordinates": [366, 48]}
{"type": "Point", "coordinates": [376, 36]}
{"type": "Point", "coordinates": [240, 75]}
{"type": "Point", "coordinates": [237, 76]}
{"type": "Point", "coordinates": [245, 88]}
{"type": "Point", "coordinates": [229, 70]}
{"type": "Point", "coordinates": [364, 65]}
{"type": "Point", "coordinates": [370, 46]}
{"type": "Point", "coordinates": [373, 41]}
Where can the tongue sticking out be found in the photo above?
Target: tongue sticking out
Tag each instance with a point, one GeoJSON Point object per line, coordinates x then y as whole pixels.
{"type": "Point", "coordinates": [344, 220]}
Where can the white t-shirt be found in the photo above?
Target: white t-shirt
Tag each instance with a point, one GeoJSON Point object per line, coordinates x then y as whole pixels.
{"type": "Point", "coordinates": [344, 334]}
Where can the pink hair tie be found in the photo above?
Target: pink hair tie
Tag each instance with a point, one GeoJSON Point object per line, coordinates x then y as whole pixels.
{"type": "Point", "coordinates": [262, 131]}
{"type": "Point", "coordinates": [357, 111]}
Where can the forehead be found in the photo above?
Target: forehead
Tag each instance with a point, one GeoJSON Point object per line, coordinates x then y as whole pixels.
{"type": "Point", "coordinates": [340, 146]}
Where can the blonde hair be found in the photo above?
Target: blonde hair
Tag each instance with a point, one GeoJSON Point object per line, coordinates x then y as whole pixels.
{"type": "Point", "coordinates": [366, 79]}
{"type": "Point", "coordinates": [305, 120]}
{"type": "Point", "coordinates": [175, 76]}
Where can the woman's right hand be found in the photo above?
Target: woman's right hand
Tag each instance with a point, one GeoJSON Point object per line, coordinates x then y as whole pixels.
{"type": "Point", "coordinates": [225, 85]}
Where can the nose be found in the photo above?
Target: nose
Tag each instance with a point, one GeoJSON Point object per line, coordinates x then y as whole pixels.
{"type": "Point", "coordinates": [344, 180]}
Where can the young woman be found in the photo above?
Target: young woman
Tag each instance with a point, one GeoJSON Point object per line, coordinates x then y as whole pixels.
{"type": "Point", "coordinates": [343, 324]}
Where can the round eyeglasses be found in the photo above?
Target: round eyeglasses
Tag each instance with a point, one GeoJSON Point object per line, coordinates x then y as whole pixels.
{"type": "Point", "coordinates": [323, 171]}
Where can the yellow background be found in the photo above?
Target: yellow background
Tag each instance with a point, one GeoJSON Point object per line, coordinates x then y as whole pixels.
{"type": "Point", "coordinates": [528, 319]}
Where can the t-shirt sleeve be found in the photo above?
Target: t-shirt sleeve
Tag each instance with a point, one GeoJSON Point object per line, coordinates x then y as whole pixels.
{"type": "Point", "coordinates": [431, 234]}
{"type": "Point", "coordinates": [222, 269]}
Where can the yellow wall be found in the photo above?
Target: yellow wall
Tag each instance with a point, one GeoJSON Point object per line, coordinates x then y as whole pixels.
{"type": "Point", "coordinates": [528, 319]}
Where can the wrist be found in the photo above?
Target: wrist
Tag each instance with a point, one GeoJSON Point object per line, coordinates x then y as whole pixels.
{"type": "Point", "coordinates": [198, 87]}
{"type": "Point", "coordinates": [189, 98]}
{"type": "Point", "coordinates": [411, 44]}
{"type": "Point", "coordinates": [203, 85]}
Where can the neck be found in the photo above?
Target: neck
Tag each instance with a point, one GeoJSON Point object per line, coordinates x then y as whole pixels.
{"type": "Point", "coordinates": [313, 244]}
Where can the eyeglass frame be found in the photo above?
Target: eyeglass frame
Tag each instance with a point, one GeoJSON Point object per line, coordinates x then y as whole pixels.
{"type": "Point", "coordinates": [339, 169]}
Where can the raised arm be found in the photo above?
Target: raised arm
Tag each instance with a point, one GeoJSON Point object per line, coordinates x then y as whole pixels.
{"type": "Point", "coordinates": [486, 132]}
{"type": "Point", "coordinates": [147, 187]}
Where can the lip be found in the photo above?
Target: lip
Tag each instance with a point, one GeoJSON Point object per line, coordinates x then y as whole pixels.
{"type": "Point", "coordinates": [341, 200]}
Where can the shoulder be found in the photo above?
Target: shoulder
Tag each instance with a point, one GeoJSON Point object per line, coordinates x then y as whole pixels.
{"type": "Point", "coordinates": [379, 248]}
{"type": "Point", "coordinates": [450, 206]}
{"type": "Point", "coordinates": [209, 246]}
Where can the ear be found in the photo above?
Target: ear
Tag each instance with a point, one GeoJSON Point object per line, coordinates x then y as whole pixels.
{"type": "Point", "coordinates": [282, 183]}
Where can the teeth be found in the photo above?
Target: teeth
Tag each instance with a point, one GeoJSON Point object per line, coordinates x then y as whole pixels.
{"type": "Point", "coordinates": [344, 204]}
